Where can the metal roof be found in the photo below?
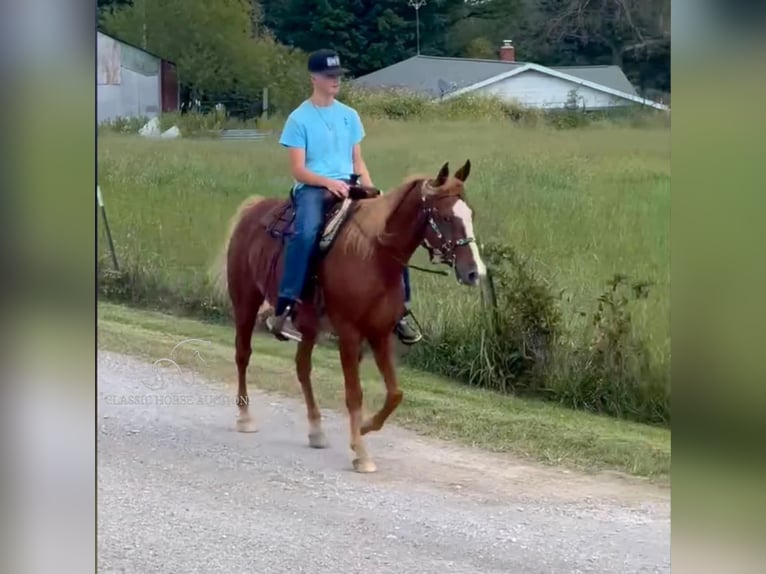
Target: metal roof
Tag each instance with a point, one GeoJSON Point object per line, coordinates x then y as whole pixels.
{"type": "Point", "coordinates": [100, 31]}
{"type": "Point", "coordinates": [436, 76]}
{"type": "Point", "coordinates": [433, 75]}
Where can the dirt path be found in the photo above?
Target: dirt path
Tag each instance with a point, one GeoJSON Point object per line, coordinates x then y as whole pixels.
{"type": "Point", "coordinates": [180, 491]}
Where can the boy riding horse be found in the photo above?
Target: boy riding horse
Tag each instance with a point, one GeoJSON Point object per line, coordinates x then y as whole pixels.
{"type": "Point", "coordinates": [323, 138]}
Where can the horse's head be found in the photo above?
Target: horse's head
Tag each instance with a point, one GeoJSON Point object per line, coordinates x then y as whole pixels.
{"type": "Point", "coordinates": [449, 234]}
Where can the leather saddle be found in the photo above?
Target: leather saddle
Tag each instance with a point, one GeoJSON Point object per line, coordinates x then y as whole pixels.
{"type": "Point", "coordinates": [281, 222]}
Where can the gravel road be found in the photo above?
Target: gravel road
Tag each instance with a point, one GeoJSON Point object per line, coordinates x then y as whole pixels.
{"type": "Point", "coordinates": [180, 491]}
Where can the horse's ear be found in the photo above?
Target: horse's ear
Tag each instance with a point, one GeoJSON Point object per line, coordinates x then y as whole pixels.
{"type": "Point", "coordinates": [462, 173]}
{"type": "Point", "coordinates": [441, 178]}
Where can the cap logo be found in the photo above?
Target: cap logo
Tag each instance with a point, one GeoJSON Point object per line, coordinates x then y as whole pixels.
{"type": "Point", "coordinates": [333, 61]}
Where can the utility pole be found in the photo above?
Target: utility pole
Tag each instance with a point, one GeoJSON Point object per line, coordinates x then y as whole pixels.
{"type": "Point", "coordinates": [417, 4]}
{"type": "Point", "coordinates": [144, 25]}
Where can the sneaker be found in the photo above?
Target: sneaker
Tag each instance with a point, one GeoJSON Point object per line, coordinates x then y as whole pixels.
{"type": "Point", "coordinates": [407, 333]}
{"type": "Point", "coordinates": [281, 326]}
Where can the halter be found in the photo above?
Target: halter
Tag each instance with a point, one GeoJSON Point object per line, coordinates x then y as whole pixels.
{"type": "Point", "coordinates": [446, 251]}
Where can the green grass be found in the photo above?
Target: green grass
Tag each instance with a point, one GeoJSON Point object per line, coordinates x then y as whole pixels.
{"type": "Point", "coordinates": [432, 405]}
{"type": "Point", "coordinates": [582, 204]}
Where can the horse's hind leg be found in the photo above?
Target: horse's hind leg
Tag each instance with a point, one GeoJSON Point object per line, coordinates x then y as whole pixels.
{"type": "Point", "coordinates": [245, 315]}
{"type": "Point", "coordinates": [317, 437]}
{"type": "Point", "coordinates": [384, 359]}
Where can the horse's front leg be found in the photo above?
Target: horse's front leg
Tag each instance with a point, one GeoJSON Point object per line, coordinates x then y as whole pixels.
{"type": "Point", "coordinates": [384, 359]}
{"type": "Point", "coordinates": [350, 345]}
{"type": "Point", "coordinates": [307, 322]}
{"type": "Point", "coordinates": [317, 438]}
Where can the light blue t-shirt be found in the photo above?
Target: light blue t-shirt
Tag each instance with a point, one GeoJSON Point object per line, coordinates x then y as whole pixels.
{"type": "Point", "coordinates": [328, 134]}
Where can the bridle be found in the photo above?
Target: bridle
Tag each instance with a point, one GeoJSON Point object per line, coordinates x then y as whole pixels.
{"type": "Point", "coordinates": [446, 252]}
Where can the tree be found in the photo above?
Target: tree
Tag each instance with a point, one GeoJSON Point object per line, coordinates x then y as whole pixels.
{"type": "Point", "coordinates": [368, 34]}
{"type": "Point", "coordinates": [477, 28]}
{"type": "Point", "coordinates": [620, 27]}
{"type": "Point", "coordinates": [633, 34]}
{"type": "Point", "coordinates": [219, 51]}
{"type": "Point", "coordinates": [105, 4]}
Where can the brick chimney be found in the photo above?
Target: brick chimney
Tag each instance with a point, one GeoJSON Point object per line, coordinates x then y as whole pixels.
{"type": "Point", "coordinates": [507, 51]}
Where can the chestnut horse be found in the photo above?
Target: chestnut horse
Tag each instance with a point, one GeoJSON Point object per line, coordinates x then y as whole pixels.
{"type": "Point", "coordinates": [358, 286]}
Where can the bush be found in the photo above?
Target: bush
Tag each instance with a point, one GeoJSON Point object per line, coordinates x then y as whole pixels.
{"type": "Point", "coordinates": [396, 104]}
{"type": "Point", "coordinates": [401, 105]}
{"type": "Point", "coordinates": [517, 344]}
{"type": "Point", "coordinates": [122, 125]}
{"type": "Point", "coordinates": [141, 283]}
{"type": "Point", "coordinates": [509, 344]}
{"type": "Point", "coordinates": [611, 371]}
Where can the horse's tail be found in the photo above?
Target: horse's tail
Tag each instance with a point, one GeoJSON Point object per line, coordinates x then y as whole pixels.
{"type": "Point", "coordinates": [218, 270]}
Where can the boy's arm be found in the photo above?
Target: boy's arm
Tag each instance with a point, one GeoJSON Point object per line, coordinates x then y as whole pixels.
{"type": "Point", "coordinates": [360, 167]}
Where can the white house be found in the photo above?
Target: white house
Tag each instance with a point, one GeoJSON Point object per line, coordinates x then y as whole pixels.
{"type": "Point", "coordinates": [132, 82]}
{"type": "Point", "coordinates": [532, 85]}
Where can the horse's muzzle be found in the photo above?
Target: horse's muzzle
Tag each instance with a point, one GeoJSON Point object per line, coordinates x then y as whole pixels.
{"type": "Point", "coordinates": [467, 275]}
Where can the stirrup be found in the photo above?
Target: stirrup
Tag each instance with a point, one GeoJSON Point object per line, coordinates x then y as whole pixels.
{"type": "Point", "coordinates": [279, 331]}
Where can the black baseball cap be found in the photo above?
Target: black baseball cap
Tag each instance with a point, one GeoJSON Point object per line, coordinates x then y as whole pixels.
{"type": "Point", "coordinates": [326, 62]}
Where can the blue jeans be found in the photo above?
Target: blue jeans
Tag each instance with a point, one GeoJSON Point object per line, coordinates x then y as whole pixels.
{"type": "Point", "coordinates": [309, 219]}
{"type": "Point", "coordinates": [407, 290]}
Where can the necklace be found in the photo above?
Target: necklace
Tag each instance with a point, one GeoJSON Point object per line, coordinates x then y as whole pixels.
{"type": "Point", "coordinates": [330, 127]}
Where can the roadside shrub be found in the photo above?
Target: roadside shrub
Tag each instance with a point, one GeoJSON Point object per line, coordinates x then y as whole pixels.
{"type": "Point", "coordinates": [517, 344]}
{"type": "Point", "coordinates": [141, 283]}
{"type": "Point", "coordinates": [610, 370]}
{"type": "Point", "coordinates": [523, 317]}
{"type": "Point", "coordinates": [510, 343]}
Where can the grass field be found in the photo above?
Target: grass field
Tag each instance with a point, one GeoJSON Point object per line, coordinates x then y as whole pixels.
{"type": "Point", "coordinates": [582, 204]}
{"type": "Point", "coordinates": [435, 406]}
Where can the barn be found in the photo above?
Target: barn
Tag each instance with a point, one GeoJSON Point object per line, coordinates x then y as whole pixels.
{"type": "Point", "coordinates": [529, 84]}
{"type": "Point", "coordinates": [133, 82]}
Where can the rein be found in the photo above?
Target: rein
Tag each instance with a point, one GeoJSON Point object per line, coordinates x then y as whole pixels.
{"type": "Point", "coordinates": [425, 270]}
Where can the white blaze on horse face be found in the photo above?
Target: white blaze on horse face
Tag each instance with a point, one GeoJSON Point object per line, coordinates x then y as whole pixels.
{"type": "Point", "coordinates": [463, 212]}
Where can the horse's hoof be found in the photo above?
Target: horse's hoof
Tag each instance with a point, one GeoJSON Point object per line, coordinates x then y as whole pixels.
{"type": "Point", "coordinates": [364, 465]}
{"type": "Point", "coordinates": [317, 440]}
{"type": "Point", "coordinates": [246, 424]}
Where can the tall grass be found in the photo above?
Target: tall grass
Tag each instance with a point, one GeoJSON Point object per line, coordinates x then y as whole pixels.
{"type": "Point", "coordinates": [560, 214]}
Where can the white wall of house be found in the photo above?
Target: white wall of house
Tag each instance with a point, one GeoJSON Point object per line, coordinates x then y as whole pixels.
{"type": "Point", "coordinates": [128, 81]}
{"type": "Point", "coordinates": [537, 90]}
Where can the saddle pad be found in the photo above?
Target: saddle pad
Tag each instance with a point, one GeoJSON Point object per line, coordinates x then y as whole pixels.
{"type": "Point", "coordinates": [333, 224]}
{"type": "Point", "coordinates": [280, 223]}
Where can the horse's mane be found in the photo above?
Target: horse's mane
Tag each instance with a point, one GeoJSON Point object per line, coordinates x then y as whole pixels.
{"type": "Point", "coordinates": [368, 223]}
